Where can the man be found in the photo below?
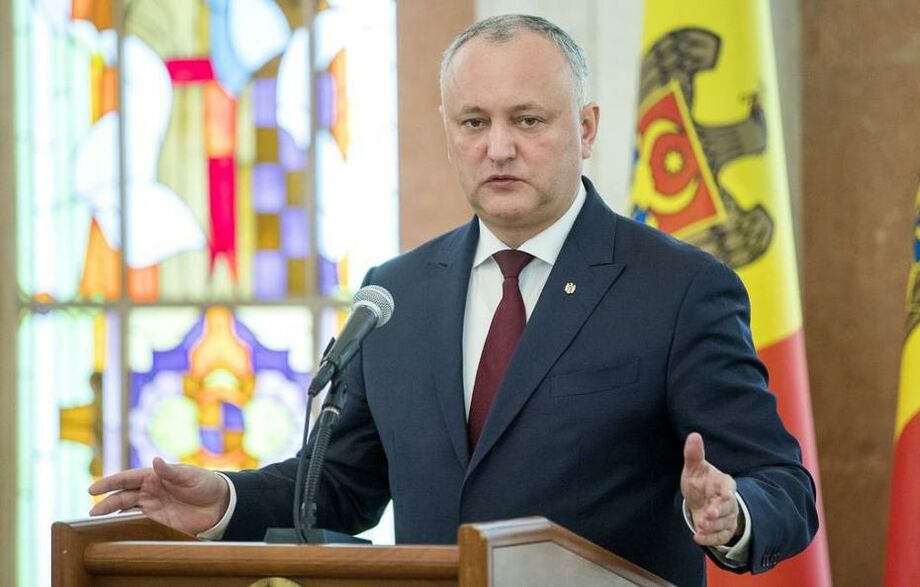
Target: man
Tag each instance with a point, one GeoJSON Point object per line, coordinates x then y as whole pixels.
{"type": "Point", "coordinates": [589, 415]}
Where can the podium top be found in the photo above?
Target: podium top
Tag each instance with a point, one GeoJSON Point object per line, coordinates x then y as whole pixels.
{"type": "Point", "coordinates": [131, 549]}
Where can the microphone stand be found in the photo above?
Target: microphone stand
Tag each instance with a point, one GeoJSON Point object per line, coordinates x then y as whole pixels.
{"type": "Point", "coordinates": [306, 485]}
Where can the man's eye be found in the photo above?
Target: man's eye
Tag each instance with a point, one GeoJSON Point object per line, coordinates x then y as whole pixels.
{"type": "Point", "coordinates": [474, 123]}
{"type": "Point", "coordinates": [529, 121]}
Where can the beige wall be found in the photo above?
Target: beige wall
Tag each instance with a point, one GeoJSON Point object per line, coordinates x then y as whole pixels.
{"type": "Point", "coordinates": [7, 311]}
{"type": "Point", "coordinates": [430, 200]}
{"type": "Point", "coordinates": [787, 40]}
{"type": "Point", "coordinates": [861, 80]}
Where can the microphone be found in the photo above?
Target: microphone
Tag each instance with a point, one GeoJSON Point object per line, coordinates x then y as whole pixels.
{"type": "Point", "coordinates": [372, 308]}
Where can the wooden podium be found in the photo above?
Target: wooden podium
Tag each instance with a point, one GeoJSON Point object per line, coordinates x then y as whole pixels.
{"type": "Point", "coordinates": [133, 550]}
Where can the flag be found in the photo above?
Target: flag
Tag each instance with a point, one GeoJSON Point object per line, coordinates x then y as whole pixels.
{"type": "Point", "coordinates": [902, 566]}
{"type": "Point", "coordinates": [710, 170]}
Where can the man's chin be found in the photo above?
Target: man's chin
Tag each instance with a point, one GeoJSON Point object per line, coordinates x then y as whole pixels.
{"type": "Point", "coordinates": [506, 213]}
{"type": "Point", "coordinates": [507, 219]}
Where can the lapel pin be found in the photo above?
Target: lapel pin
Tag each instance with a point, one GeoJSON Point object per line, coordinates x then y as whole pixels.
{"type": "Point", "coordinates": [569, 288]}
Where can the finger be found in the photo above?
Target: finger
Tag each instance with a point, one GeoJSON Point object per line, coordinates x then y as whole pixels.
{"type": "Point", "coordinates": [118, 501]}
{"type": "Point", "coordinates": [694, 453]}
{"type": "Point", "coordinates": [718, 497]}
{"type": "Point", "coordinates": [713, 539]}
{"type": "Point", "coordinates": [721, 507]}
{"type": "Point", "coordinates": [130, 479]}
{"type": "Point", "coordinates": [707, 524]}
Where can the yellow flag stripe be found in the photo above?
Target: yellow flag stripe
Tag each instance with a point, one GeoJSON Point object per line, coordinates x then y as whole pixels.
{"type": "Point", "coordinates": [909, 391]}
{"type": "Point", "coordinates": [723, 95]}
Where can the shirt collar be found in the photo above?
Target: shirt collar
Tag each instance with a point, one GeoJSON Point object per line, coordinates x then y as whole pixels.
{"type": "Point", "coordinates": [544, 246]}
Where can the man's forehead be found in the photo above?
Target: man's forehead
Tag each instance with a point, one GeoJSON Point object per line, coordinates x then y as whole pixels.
{"type": "Point", "coordinates": [476, 108]}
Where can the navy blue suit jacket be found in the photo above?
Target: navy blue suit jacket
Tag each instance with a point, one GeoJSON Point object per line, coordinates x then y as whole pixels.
{"type": "Point", "coordinates": [588, 425]}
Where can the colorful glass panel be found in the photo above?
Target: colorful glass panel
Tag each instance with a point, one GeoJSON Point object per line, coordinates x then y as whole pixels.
{"type": "Point", "coordinates": [225, 145]}
{"type": "Point", "coordinates": [63, 71]}
{"type": "Point", "coordinates": [219, 389]}
{"type": "Point", "coordinates": [356, 141]}
{"type": "Point", "coordinates": [69, 424]}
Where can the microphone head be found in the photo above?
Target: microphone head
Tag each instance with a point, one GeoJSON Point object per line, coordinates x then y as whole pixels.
{"type": "Point", "coordinates": [378, 300]}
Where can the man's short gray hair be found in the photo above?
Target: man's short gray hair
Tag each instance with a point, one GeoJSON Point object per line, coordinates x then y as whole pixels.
{"type": "Point", "coordinates": [501, 29]}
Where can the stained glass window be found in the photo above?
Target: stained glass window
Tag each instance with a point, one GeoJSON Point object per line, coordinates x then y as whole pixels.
{"type": "Point", "coordinates": [69, 410]}
{"type": "Point", "coordinates": [198, 195]}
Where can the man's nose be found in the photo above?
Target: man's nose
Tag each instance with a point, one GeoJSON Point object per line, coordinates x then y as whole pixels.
{"type": "Point", "coordinates": [501, 145]}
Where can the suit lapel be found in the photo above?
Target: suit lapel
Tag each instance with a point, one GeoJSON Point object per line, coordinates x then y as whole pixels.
{"type": "Point", "coordinates": [449, 273]}
{"type": "Point", "coordinates": [586, 260]}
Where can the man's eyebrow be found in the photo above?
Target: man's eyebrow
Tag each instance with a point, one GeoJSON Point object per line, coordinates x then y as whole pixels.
{"type": "Point", "coordinates": [517, 108]}
{"type": "Point", "coordinates": [526, 106]}
{"type": "Point", "coordinates": [471, 110]}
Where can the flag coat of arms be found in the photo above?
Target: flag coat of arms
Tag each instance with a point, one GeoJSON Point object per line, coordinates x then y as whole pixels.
{"type": "Point", "coordinates": [902, 567]}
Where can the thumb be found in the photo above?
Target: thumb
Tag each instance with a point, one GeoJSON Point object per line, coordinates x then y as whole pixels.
{"type": "Point", "coordinates": [694, 453]}
{"type": "Point", "coordinates": [167, 472]}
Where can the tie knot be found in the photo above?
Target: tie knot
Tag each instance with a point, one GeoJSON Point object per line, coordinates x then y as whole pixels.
{"type": "Point", "coordinates": [511, 262]}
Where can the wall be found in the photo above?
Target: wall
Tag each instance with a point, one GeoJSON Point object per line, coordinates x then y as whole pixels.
{"type": "Point", "coordinates": [7, 309]}
{"type": "Point", "coordinates": [861, 80]}
{"type": "Point", "coordinates": [430, 198]}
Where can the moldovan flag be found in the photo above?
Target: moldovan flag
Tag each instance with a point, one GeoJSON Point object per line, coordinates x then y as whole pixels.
{"type": "Point", "coordinates": [902, 568]}
{"type": "Point", "coordinates": [711, 170]}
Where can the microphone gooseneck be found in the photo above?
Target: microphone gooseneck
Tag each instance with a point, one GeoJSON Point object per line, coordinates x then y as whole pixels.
{"type": "Point", "coordinates": [373, 307]}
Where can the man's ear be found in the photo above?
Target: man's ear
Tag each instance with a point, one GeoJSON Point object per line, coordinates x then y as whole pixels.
{"type": "Point", "coordinates": [590, 116]}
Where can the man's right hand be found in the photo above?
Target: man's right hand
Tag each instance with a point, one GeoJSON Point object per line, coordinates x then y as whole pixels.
{"type": "Point", "coordinates": [187, 498]}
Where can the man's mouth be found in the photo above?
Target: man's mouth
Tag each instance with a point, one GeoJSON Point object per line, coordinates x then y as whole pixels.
{"type": "Point", "coordinates": [501, 180]}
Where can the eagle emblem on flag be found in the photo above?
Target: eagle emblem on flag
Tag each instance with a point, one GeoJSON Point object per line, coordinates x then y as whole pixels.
{"type": "Point", "coordinates": [679, 160]}
{"type": "Point", "coordinates": [913, 283]}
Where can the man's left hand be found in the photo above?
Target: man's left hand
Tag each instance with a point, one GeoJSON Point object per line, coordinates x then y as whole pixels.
{"type": "Point", "coordinates": [710, 496]}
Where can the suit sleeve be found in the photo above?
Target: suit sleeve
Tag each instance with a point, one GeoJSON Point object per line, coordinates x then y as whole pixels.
{"type": "Point", "coordinates": [354, 488]}
{"type": "Point", "coordinates": [718, 387]}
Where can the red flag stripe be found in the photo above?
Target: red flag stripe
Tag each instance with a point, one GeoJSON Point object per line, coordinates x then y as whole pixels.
{"type": "Point", "coordinates": [785, 360]}
{"type": "Point", "coordinates": [902, 568]}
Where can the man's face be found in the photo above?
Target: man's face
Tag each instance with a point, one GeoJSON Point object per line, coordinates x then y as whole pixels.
{"type": "Point", "coordinates": [515, 132]}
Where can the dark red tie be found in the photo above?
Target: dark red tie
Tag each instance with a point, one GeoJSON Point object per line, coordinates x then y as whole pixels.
{"type": "Point", "coordinates": [507, 325]}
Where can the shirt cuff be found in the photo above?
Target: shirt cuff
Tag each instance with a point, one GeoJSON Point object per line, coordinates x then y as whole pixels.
{"type": "Point", "coordinates": [216, 532]}
{"type": "Point", "coordinates": [731, 556]}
